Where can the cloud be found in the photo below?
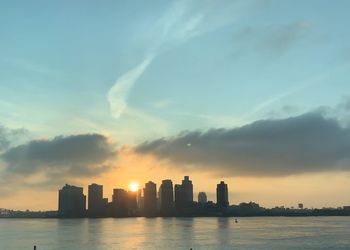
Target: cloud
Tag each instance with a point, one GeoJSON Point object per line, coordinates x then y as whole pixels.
{"type": "Point", "coordinates": [118, 94]}
{"type": "Point", "coordinates": [60, 158]}
{"type": "Point", "coordinates": [281, 39]}
{"type": "Point", "coordinates": [9, 137]}
{"type": "Point", "coordinates": [274, 40]}
{"type": "Point", "coordinates": [302, 144]}
{"type": "Point", "coordinates": [182, 21]}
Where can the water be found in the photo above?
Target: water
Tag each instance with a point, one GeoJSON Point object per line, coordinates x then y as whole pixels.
{"type": "Point", "coordinates": [177, 233]}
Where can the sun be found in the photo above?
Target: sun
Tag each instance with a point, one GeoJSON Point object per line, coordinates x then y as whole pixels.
{"type": "Point", "coordinates": [133, 186]}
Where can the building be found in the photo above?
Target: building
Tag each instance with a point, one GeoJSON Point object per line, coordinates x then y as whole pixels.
{"type": "Point", "coordinates": [202, 198]}
{"type": "Point", "coordinates": [179, 202]}
{"type": "Point", "coordinates": [166, 196]}
{"type": "Point", "coordinates": [140, 200]}
{"type": "Point", "coordinates": [132, 203]}
{"type": "Point", "coordinates": [71, 202]}
{"type": "Point", "coordinates": [150, 199]}
{"type": "Point", "coordinates": [187, 190]}
{"type": "Point", "coordinates": [119, 202]}
{"type": "Point", "coordinates": [96, 203]}
{"type": "Point", "coordinates": [222, 195]}
{"type": "Point", "coordinates": [184, 194]}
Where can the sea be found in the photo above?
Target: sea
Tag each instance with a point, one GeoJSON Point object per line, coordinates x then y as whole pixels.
{"type": "Point", "coordinates": [177, 233]}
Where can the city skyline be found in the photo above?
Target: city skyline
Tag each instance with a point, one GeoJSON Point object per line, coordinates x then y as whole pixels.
{"type": "Point", "coordinates": [254, 92]}
{"type": "Point", "coordinates": [168, 200]}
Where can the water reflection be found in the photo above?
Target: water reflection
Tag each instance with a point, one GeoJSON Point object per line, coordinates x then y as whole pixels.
{"type": "Point", "coordinates": [176, 233]}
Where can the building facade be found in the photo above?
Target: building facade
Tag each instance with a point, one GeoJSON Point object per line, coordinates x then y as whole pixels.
{"type": "Point", "coordinates": [150, 199]}
{"type": "Point", "coordinates": [71, 202]}
{"type": "Point", "coordinates": [166, 195]}
{"type": "Point", "coordinates": [202, 198]}
{"type": "Point", "coordinates": [96, 203]}
{"type": "Point", "coordinates": [222, 195]}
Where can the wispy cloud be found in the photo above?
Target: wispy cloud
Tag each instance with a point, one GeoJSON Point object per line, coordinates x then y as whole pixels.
{"type": "Point", "coordinates": [304, 85]}
{"type": "Point", "coordinates": [118, 94]}
{"type": "Point", "coordinates": [183, 21]}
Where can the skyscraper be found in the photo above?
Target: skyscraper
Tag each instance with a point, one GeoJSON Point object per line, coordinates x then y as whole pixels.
{"type": "Point", "coordinates": [202, 197]}
{"type": "Point", "coordinates": [166, 195]}
{"type": "Point", "coordinates": [119, 202]}
{"type": "Point", "coordinates": [95, 200]}
{"type": "Point", "coordinates": [179, 200]}
{"type": "Point", "coordinates": [150, 199]}
{"type": "Point", "coordinates": [71, 202]}
{"type": "Point", "coordinates": [184, 194]}
{"type": "Point", "coordinates": [187, 190]}
{"type": "Point", "coordinates": [222, 195]}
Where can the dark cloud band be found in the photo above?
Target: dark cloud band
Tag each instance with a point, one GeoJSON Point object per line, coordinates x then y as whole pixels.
{"type": "Point", "coordinates": [302, 144]}
{"type": "Point", "coordinates": [77, 155]}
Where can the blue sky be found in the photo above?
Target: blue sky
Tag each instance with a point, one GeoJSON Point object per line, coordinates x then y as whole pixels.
{"type": "Point", "coordinates": [214, 64]}
{"type": "Point", "coordinates": [132, 71]}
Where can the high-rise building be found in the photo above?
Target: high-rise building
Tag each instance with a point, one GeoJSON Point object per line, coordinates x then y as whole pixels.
{"type": "Point", "coordinates": [71, 202]}
{"type": "Point", "coordinates": [202, 198]}
{"type": "Point", "coordinates": [140, 199]}
{"type": "Point", "coordinates": [184, 194]}
{"type": "Point", "coordinates": [150, 199]}
{"type": "Point", "coordinates": [119, 202]}
{"type": "Point", "coordinates": [96, 202]}
{"type": "Point", "coordinates": [187, 190]}
{"type": "Point", "coordinates": [166, 195]}
{"type": "Point", "coordinates": [222, 195]}
{"type": "Point", "coordinates": [179, 200]}
{"type": "Point", "coordinates": [132, 202]}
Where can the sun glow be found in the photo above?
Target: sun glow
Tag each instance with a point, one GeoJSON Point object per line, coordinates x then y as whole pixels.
{"type": "Point", "coordinates": [133, 186]}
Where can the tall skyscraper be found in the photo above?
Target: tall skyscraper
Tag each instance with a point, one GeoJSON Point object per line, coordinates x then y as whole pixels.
{"type": "Point", "coordinates": [222, 195]}
{"type": "Point", "coordinates": [179, 197]}
{"type": "Point", "coordinates": [202, 198]}
{"type": "Point", "coordinates": [187, 190]}
{"type": "Point", "coordinates": [119, 202]}
{"type": "Point", "coordinates": [150, 199]}
{"type": "Point", "coordinates": [132, 202]}
{"type": "Point", "coordinates": [71, 202]}
{"type": "Point", "coordinates": [140, 199]}
{"type": "Point", "coordinates": [184, 194]}
{"type": "Point", "coordinates": [95, 200]}
{"type": "Point", "coordinates": [166, 195]}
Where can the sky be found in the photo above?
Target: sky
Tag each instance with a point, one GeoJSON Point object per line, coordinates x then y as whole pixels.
{"type": "Point", "coordinates": [252, 92]}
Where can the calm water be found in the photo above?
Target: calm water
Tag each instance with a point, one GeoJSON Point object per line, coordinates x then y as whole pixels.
{"type": "Point", "coordinates": [177, 233]}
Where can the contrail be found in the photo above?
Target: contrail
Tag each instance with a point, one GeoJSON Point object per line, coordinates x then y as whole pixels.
{"type": "Point", "coordinates": [118, 94]}
{"type": "Point", "coordinates": [183, 21]}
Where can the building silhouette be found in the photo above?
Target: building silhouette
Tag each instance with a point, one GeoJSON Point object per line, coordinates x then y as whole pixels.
{"type": "Point", "coordinates": [119, 202]}
{"type": "Point", "coordinates": [140, 199]}
{"type": "Point", "coordinates": [71, 202]}
{"type": "Point", "coordinates": [166, 196]}
{"type": "Point", "coordinates": [187, 190]}
{"type": "Point", "coordinates": [96, 203]}
{"type": "Point", "coordinates": [179, 200]}
{"type": "Point", "coordinates": [131, 203]}
{"type": "Point", "coordinates": [222, 195]}
{"type": "Point", "coordinates": [183, 194]}
{"type": "Point", "coordinates": [150, 199]}
{"type": "Point", "coordinates": [202, 198]}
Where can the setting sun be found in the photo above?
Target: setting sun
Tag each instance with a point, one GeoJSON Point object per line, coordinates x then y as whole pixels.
{"type": "Point", "coordinates": [133, 186]}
